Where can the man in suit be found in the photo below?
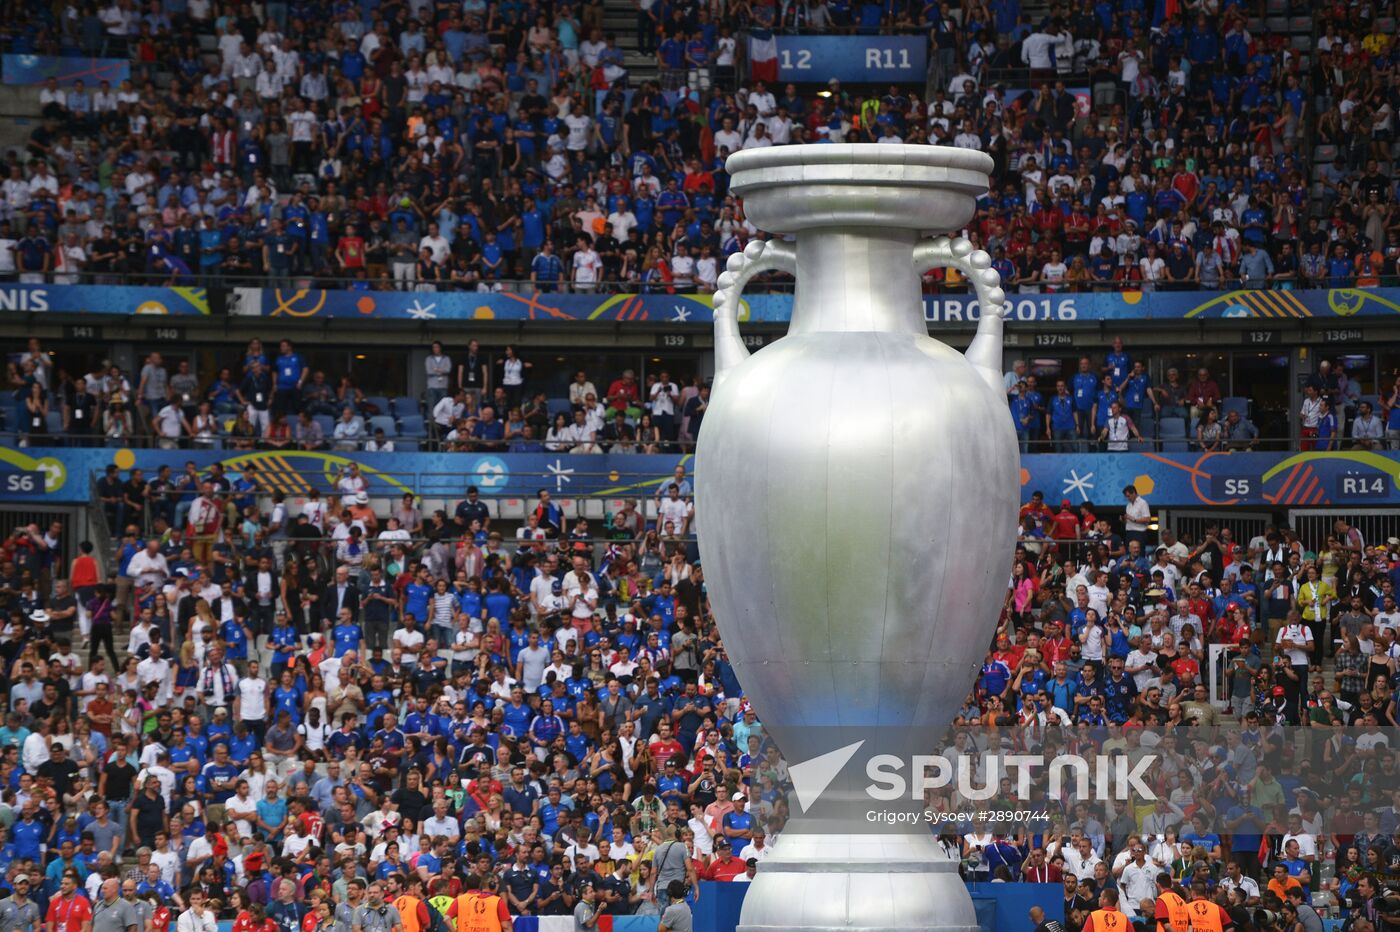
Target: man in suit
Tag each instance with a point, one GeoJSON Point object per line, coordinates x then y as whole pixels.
{"type": "Point", "coordinates": [261, 586]}
{"type": "Point", "coordinates": [229, 604]}
{"type": "Point", "coordinates": [342, 593]}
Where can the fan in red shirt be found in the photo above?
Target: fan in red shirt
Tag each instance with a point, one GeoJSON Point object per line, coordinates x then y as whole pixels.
{"type": "Point", "coordinates": [1232, 629]}
{"type": "Point", "coordinates": [664, 746]}
{"type": "Point", "coordinates": [1008, 653]}
{"type": "Point", "coordinates": [1037, 509]}
{"type": "Point", "coordinates": [1201, 607]}
{"type": "Point", "coordinates": [254, 919]}
{"type": "Point", "coordinates": [69, 912]}
{"type": "Point", "coordinates": [1064, 524]}
{"type": "Point", "coordinates": [1186, 668]}
{"type": "Point", "coordinates": [1049, 222]}
{"type": "Point", "coordinates": [481, 791]}
{"type": "Point", "coordinates": [725, 866]}
{"type": "Point", "coordinates": [1056, 645]}
{"type": "Point", "coordinates": [625, 388]}
{"type": "Point", "coordinates": [1087, 519]}
{"type": "Point", "coordinates": [311, 820]}
{"type": "Point", "coordinates": [317, 917]}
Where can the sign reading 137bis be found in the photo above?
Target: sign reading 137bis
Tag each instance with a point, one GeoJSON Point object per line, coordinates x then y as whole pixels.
{"type": "Point", "coordinates": [851, 59]}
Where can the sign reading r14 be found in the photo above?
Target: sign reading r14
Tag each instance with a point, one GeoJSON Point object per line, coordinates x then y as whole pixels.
{"type": "Point", "coordinates": [1363, 486]}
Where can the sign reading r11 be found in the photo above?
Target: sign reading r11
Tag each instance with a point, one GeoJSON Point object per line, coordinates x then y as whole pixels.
{"type": "Point", "coordinates": [852, 59]}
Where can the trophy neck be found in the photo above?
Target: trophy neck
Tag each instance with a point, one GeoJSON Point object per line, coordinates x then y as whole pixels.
{"type": "Point", "coordinates": [857, 280]}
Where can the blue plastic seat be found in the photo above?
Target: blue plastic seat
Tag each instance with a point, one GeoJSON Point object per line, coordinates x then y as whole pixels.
{"type": "Point", "coordinates": [1234, 403]}
{"type": "Point", "coordinates": [1171, 428]}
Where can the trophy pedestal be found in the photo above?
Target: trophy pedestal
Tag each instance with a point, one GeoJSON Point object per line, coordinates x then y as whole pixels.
{"type": "Point", "coordinates": [872, 883]}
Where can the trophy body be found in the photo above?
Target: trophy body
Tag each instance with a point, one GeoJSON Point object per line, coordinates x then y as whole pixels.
{"type": "Point", "coordinates": [857, 489]}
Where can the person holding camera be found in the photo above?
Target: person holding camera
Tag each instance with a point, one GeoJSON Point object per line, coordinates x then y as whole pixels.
{"type": "Point", "coordinates": [1303, 917]}
{"type": "Point", "coordinates": [677, 917]}
{"type": "Point", "coordinates": [587, 910]}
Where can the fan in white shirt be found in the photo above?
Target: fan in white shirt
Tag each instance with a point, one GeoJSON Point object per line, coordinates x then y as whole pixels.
{"type": "Point", "coordinates": [1081, 861]}
{"type": "Point", "coordinates": [252, 699]}
{"type": "Point", "coordinates": [727, 138]}
{"type": "Point", "coordinates": [588, 266]}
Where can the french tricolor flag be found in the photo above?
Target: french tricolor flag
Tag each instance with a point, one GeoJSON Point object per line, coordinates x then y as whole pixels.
{"type": "Point", "coordinates": [566, 924]}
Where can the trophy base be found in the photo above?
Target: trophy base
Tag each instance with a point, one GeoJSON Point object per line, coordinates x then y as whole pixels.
{"type": "Point", "coordinates": [872, 883]}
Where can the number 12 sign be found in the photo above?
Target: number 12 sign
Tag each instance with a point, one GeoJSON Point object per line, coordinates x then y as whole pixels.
{"type": "Point", "coordinates": [851, 59]}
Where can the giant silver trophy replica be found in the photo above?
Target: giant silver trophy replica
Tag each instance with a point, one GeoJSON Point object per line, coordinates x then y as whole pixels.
{"type": "Point", "coordinates": [856, 494]}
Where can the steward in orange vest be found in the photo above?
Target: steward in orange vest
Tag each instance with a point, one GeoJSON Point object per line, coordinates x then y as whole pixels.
{"type": "Point", "coordinates": [1107, 917]}
{"type": "Point", "coordinates": [412, 910]}
{"type": "Point", "coordinates": [1172, 914]}
{"type": "Point", "coordinates": [480, 909]}
{"type": "Point", "coordinates": [1206, 915]}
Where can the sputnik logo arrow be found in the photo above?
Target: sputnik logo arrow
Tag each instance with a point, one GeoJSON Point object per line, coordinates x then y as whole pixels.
{"type": "Point", "coordinates": [811, 777]}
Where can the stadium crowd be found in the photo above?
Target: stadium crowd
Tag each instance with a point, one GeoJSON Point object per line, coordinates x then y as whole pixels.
{"type": "Point", "coordinates": [1272, 778]}
{"type": "Point", "coordinates": [335, 711]}
{"type": "Point", "coordinates": [481, 399]}
{"type": "Point", "coordinates": [504, 145]}
{"type": "Point", "coordinates": [277, 401]}
{"type": "Point", "coordinates": [344, 714]}
{"type": "Point", "coordinates": [323, 707]}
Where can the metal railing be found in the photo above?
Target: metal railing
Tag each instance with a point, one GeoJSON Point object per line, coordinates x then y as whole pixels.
{"type": "Point", "coordinates": [772, 284]}
{"type": "Point", "coordinates": [229, 443]}
{"type": "Point", "coordinates": [598, 491]}
{"type": "Point", "coordinates": [429, 444]}
{"type": "Point", "coordinates": [381, 280]}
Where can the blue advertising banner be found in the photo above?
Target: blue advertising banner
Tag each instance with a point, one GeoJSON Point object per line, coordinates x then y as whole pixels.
{"type": "Point", "coordinates": [851, 59]}
{"type": "Point", "coordinates": [1334, 304]}
{"type": "Point", "coordinates": [36, 69]}
{"type": "Point", "coordinates": [1268, 480]}
{"type": "Point", "coordinates": [471, 305]}
{"type": "Point", "coordinates": [66, 472]}
{"type": "Point", "coordinates": [104, 299]}
{"type": "Point", "coordinates": [1176, 305]}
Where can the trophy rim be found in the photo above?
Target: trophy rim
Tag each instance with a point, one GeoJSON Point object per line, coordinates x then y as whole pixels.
{"type": "Point", "coordinates": [861, 154]}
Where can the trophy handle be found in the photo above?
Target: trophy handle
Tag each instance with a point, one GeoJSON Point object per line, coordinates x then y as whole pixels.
{"type": "Point", "coordinates": [758, 256]}
{"type": "Point", "coordinates": [976, 265]}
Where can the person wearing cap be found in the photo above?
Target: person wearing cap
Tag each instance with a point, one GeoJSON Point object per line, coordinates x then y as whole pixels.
{"type": "Point", "coordinates": [18, 913]}
{"type": "Point", "coordinates": [725, 866]}
{"type": "Point", "coordinates": [362, 512]}
{"type": "Point", "coordinates": [738, 824]}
